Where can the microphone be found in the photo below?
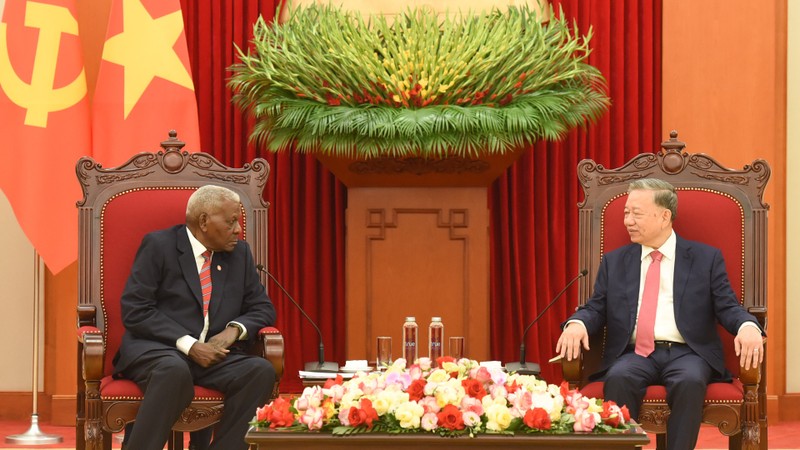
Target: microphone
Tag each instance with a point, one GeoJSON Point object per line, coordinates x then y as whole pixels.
{"type": "Point", "coordinates": [314, 366]}
{"type": "Point", "coordinates": [529, 368]}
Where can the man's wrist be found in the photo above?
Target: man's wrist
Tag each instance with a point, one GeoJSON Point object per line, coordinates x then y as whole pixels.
{"type": "Point", "coordinates": [238, 329]}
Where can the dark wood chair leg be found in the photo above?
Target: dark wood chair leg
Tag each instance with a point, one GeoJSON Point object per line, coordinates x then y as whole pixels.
{"type": "Point", "coordinates": [661, 441]}
{"type": "Point", "coordinates": [735, 442]}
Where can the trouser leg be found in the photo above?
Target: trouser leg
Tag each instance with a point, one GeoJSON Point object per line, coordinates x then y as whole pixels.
{"type": "Point", "coordinates": [246, 382]}
{"type": "Point", "coordinates": [627, 379]}
{"type": "Point", "coordinates": [166, 381]}
{"type": "Point", "coordinates": [686, 378]}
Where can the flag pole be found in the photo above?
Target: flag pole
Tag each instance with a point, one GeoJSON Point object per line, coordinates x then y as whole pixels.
{"type": "Point", "coordinates": [34, 436]}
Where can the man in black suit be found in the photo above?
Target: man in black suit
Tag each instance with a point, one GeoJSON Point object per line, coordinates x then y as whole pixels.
{"type": "Point", "coordinates": [673, 339]}
{"type": "Point", "coordinates": [172, 343]}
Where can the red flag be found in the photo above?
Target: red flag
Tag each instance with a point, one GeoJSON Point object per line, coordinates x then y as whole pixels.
{"type": "Point", "coordinates": [144, 87]}
{"type": "Point", "coordinates": [44, 112]}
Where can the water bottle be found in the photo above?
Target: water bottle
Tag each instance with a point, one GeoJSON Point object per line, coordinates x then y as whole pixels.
{"type": "Point", "coordinates": [435, 338]}
{"type": "Point", "coordinates": [410, 338]}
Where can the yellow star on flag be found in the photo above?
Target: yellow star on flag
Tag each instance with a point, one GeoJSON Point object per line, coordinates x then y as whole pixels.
{"type": "Point", "coordinates": [145, 49]}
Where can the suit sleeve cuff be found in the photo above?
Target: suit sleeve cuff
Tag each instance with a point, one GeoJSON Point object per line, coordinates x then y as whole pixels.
{"type": "Point", "coordinates": [185, 343]}
{"type": "Point", "coordinates": [749, 324]}
{"type": "Point", "coordinates": [242, 329]}
{"type": "Point", "coordinates": [576, 321]}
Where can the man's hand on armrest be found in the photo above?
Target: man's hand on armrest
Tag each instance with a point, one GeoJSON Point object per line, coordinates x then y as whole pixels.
{"type": "Point", "coordinates": [572, 338]}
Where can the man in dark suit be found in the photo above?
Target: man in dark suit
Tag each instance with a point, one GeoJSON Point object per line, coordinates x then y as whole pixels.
{"type": "Point", "coordinates": [660, 298]}
{"type": "Point", "coordinates": [191, 302]}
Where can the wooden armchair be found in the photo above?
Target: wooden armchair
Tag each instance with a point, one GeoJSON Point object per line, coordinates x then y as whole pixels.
{"type": "Point", "coordinates": [119, 206]}
{"type": "Point", "coordinates": [718, 206]}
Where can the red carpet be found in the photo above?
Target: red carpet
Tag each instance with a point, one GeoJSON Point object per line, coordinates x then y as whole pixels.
{"type": "Point", "coordinates": [784, 435]}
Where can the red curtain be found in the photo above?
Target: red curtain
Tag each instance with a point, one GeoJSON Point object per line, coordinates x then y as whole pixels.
{"type": "Point", "coordinates": [306, 216]}
{"type": "Point", "coordinates": [534, 214]}
{"type": "Point", "coordinates": [534, 223]}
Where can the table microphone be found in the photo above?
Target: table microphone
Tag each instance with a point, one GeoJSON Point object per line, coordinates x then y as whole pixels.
{"type": "Point", "coordinates": [529, 368]}
{"type": "Point", "coordinates": [313, 366]}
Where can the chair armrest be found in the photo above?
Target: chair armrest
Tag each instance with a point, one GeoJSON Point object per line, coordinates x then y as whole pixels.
{"type": "Point", "coordinates": [92, 356]}
{"type": "Point", "coordinates": [271, 347]}
{"type": "Point", "coordinates": [573, 371]}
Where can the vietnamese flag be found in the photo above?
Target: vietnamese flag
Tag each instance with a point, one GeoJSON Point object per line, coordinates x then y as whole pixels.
{"type": "Point", "coordinates": [44, 112]}
{"type": "Point", "coordinates": [144, 87]}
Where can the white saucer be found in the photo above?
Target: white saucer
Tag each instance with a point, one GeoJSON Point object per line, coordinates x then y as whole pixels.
{"type": "Point", "coordinates": [355, 369]}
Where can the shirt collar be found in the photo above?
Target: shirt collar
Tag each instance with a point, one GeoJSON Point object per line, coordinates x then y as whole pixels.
{"type": "Point", "coordinates": [197, 247]}
{"type": "Point", "coordinates": [667, 249]}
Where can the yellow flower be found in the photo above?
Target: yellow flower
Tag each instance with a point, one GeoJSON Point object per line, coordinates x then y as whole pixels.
{"type": "Point", "coordinates": [438, 376]}
{"type": "Point", "coordinates": [396, 98]}
{"type": "Point", "coordinates": [409, 414]}
{"type": "Point", "coordinates": [498, 417]}
{"type": "Point", "coordinates": [423, 82]}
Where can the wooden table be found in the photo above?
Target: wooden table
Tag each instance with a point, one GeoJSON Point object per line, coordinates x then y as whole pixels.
{"type": "Point", "coordinates": [280, 440]}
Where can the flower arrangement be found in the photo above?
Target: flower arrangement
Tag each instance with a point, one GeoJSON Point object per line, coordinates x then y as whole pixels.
{"type": "Point", "coordinates": [457, 398]}
{"type": "Point", "coordinates": [329, 80]}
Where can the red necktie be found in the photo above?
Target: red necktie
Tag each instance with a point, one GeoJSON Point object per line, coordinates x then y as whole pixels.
{"type": "Point", "coordinates": [205, 280]}
{"type": "Point", "coordinates": [645, 327]}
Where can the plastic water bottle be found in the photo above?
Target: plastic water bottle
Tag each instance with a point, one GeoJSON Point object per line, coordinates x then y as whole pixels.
{"type": "Point", "coordinates": [435, 338]}
{"type": "Point", "coordinates": [410, 339]}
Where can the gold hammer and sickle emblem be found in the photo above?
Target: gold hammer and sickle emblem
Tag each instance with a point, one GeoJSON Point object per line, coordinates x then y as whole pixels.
{"type": "Point", "coordinates": [40, 97]}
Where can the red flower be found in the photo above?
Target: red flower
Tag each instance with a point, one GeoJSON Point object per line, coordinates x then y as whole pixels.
{"type": "Point", "coordinates": [365, 415]}
{"type": "Point", "coordinates": [369, 413]}
{"type": "Point", "coordinates": [277, 413]}
{"type": "Point", "coordinates": [474, 388]}
{"type": "Point", "coordinates": [537, 418]}
{"type": "Point", "coordinates": [513, 387]}
{"type": "Point", "coordinates": [416, 390]}
{"type": "Point", "coordinates": [626, 415]}
{"type": "Point", "coordinates": [450, 417]}
{"type": "Point", "coordinates": [356, 417]}
{"type": "Point", "coordinates": [611, 414]}
{"type": "Point", "coordinates": [333, 381]}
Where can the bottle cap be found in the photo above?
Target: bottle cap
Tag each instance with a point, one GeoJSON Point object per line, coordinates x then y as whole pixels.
{"type": "Point", "coordinates": [411, 319]}
{"type": "Point", "coordinates": [436, 319]}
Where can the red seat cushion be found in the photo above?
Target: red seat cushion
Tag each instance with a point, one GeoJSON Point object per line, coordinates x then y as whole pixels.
{"type": "Point", "coordinates": [128, 390]}
{"type": "Point", "coordinates": [716, 392]}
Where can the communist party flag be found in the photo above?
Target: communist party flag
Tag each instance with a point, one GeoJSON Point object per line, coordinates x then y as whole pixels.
{"type": "Point", "coordinates": [144, 87]}
{"type": "Point", "coordinates": [44, 112]}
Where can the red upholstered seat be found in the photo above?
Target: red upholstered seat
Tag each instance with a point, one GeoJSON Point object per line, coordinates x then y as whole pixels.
{"type": "Point", "coordinates": [718, 206]}
{"type": "Point", "coordinates": [119, 207]}
{"type": "Point", "coordinates": [716, 393]}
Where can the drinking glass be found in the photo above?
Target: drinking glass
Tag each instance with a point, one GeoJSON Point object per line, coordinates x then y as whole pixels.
{"type": "Point", "coordinates": [384, 358]}
{"type": "Point", "coordinates": [457, 347]}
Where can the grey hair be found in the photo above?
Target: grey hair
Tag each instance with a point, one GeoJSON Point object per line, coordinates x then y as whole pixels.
{"type": "Point", "coordinates": [207, 199]}
{"type": "Point", "coordinates": [664, 194]}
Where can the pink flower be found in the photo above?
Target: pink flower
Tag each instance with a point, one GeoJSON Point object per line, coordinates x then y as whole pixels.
{"type": "Point", "coordinates": [471, 419]}
{"type": "Point", "coordinates": [313, 418]}
{"type": "Point", "coordinates": [403, 379]}
{"type": "Point", "coordinates": [481, 374]}
{"type": "Point", "coordinates": [429, 421]}
{"type": "Point", "coordinates": [521, 402]}
{"type": "Point", "coordinates": [429, 404]}
{"type": "Point", "coordinates": [474, 405]}
{"type": "Point", "coordinates": [584, 420]}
